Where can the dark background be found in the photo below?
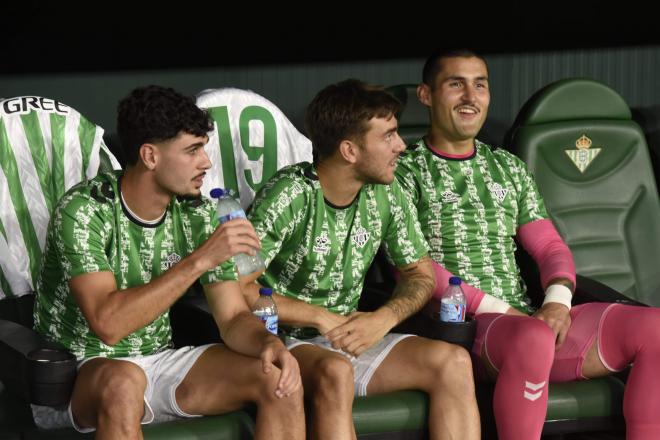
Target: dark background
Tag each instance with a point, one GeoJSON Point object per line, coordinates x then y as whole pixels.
{"type": "Point", "coordinates": [105, 36]}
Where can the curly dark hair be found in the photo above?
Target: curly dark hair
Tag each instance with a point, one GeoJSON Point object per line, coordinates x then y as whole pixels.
{"type": "Point", "coordinates": [342, 111]}
{"type": "Point", "coordinates": [156, 114]}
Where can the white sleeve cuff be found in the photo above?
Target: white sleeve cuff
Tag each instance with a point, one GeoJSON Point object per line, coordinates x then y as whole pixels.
{"type": "Point", "coordinates": [490, 304]}
{"type": "Point", "coordinates": [558, 293]}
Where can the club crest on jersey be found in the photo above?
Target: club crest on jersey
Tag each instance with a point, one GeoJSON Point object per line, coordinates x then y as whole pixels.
{"type": "Point", "coordinates": [584, 155]}
{"type": "Point", "coordinates": [360, 237]}
{"type": "Point", "coordinates": [171, 260]}
{"type": "Point", "coordinates": [322, 243]}
{"type": "Point", "coordinates": [449, 197]}
{"type": "Point", "coordinates": [497, 191]}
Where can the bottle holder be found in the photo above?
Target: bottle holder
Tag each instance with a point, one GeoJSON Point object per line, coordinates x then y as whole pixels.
{"type": "Point", "coordinates": [51, 374]}
{"type": "Point", "coordinates": [459, 333]}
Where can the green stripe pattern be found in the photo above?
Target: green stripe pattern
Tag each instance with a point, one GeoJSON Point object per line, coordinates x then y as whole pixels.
{"type": "Point", "coordinates": [37, 138]}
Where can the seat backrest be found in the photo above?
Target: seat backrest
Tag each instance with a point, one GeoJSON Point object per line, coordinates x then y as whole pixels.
{"type": "Point", "coordinates": [252, 139]}
{"type": "Point", "coordinates": [592, 167]}
{"type": "Point", "coordinates": [648, 119]}
{"type": "Point", "coordinates": [46, 147]}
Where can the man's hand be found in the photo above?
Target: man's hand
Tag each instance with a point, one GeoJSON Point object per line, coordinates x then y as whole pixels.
{"type": "Point", "coordinates": [329, 321]}
{"type": "Point", "coordinates": [231, 238]}
{"type": "Point", "coordinates": [558, 318]}
{"type": "Point", "coordinates": [362, 331]}
{"type": "Point", "coordinates": [275, 353]}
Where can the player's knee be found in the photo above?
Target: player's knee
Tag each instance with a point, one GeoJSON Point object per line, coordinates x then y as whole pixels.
{"type": "Point", "coordinates": [122, 387]}
{"type": "Point", "coordinates": [647, 327]}
{"type": "Point", "coordinates": [451, 367]}
{"type": "Point", "coordinates": [333, 378]}
{"type": "Point", "coordinates": [534, 340]}
{"type": "Point", "coordinates": [265, 391]}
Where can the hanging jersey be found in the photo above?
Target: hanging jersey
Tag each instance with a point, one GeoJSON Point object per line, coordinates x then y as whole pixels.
{"type": "Point", "coordinates": [319, 253]}
{"type": "Point", "coordinates": [251, 140]}
{"type": "Point", "coordinates": [470, 209]}
{"type": "Point", "coordinates": [92, 231]}
{"type": "Point", "coordinates": [46, 147]}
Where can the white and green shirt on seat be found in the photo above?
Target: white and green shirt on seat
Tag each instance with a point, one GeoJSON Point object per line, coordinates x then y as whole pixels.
{"type": "Point", "coordinates": [46, 147]}
{"type": "Point", "coordinates": [470, 209]}
{"type": "Point", "coordinates": [92, 231]}
{"type": "Point", "coordinates": [319, 253]}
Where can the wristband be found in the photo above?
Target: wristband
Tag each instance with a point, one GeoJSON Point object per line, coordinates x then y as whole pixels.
{"type": "Point", "coordinates": [558, 293]}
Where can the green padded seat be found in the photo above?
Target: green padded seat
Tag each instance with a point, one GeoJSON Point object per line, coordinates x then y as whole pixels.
{"type": "Point", "coordinates": [235, 426]}
{"type": "Point", "coordinates": [592, 166]}
{"type": "Point", "coordinates": [400, 411]}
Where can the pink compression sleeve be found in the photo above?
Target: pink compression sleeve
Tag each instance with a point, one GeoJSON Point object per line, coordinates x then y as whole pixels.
{"type": "Point", "coordinates": [542, 241]}
{"type": "Point", "coordinates": [473, 295]}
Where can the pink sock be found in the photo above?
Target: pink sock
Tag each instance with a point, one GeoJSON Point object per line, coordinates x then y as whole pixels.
{"type": "Point", "coordinates": [632, 335]}
{"type": "Point", "coordinates": [522, 350]}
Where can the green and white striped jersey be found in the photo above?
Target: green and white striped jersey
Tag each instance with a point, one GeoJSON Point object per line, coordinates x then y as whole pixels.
{"type": "Point", "coordinates": [46, 147]}
{"type": "Point", "coordinates": [91, 231]}
{"type": "Point", "coordinates": [319, 253]}
{"type": "Point", "coordinates": [470, 209]}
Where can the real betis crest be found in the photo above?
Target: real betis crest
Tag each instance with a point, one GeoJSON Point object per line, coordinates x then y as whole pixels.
{"type": "Point", "coordinates": [360, 237]}
{"type": "Point", "coordinates": [584, 155]}
{"type": "Point", "coordinates": [497, 191]}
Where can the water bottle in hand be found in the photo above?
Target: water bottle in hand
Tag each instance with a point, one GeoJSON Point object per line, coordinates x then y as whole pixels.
{"type": "Point", "coordinates": [229, 209]}
{"type": "Point", "coordinates": [453, 302]}
{"type": "Point", "coordinates": [266, 309]}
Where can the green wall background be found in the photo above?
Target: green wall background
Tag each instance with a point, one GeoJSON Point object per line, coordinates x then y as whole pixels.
{"type": "Point", "coordinates": [633, 71]}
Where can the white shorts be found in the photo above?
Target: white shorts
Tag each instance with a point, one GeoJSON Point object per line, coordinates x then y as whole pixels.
{"type": "Point", "coordinates": [365, 365]}
{"type": "Point", "coordinates": [164, 371]}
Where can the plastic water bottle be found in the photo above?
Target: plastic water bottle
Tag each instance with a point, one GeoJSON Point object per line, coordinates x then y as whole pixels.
{"type": "Point", "coordinates": [453, 302]}
{"type": "Point", "coordinates": [266, 309]}
{"type": "Point", "coordinates": [229, 209]}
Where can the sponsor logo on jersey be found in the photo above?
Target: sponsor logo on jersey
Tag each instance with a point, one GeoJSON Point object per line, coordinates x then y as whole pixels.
{"type": "Point", "coordinates": [360, 237]}
{"type": "Point", "coordinates": [497, 191]}
{"type": "Point", "coordinates": [584, 155]}
{"type": "Point", "coordinates": [25, 104]}
{"type": "Point", "coordinates": [171, 260]}
{"type": "Point", "coordinates": [322, 243]}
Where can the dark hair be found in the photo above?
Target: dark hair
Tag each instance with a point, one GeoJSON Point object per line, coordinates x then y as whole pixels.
{"type": "Point", "coordinates": [341, 111]}
{"type": "Point", "coordinates": [433, 64]}
{"type": "Point", "coordinates": [157, 114]}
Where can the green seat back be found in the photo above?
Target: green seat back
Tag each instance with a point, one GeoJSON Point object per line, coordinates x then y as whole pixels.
{"type": "Point", "coordinates": [592, 166]}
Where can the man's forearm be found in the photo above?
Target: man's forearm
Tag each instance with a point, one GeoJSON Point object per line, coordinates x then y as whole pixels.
{"type": "Point", "coordinates": [246, 334]}
{"type": "Point", "coordinates": [291, 311]}
{"type": "Point", "coordinates": [413, 290]}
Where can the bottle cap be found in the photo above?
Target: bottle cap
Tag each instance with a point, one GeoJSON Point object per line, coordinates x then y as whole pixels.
{"type": "Point", "coordinates": [216, 193]}
{"type": "Point", "coordinates": [266, 291]}
{"type": "Point", "coordinates": [455, 281]}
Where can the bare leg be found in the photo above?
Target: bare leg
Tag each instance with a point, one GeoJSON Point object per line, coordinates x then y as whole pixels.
{"type": "Point", "coordinates": [222, 381]}
{"type": "Point", "coordinates": [444, 372]}
{"type": "Point", "coordinates": [328, 383]}
{"type": "Point", "coordinates": [109, 396]}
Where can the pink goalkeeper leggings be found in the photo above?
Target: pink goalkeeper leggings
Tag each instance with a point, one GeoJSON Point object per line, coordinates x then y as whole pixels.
{"type": "Point", "coordinates": [522, 350]}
